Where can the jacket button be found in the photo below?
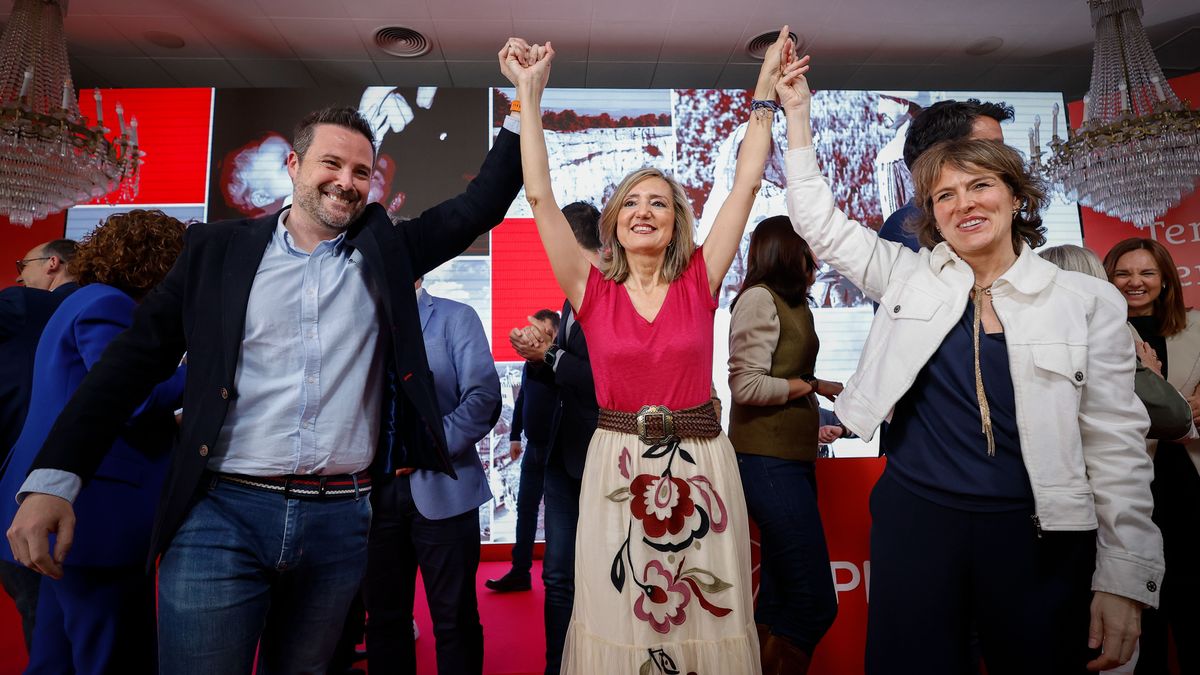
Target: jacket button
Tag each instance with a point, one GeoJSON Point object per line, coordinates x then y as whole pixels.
{"type": "Point", "coordinates": [1151, 586]}
{"type": "Point", "coordinates": [204, 451]}
{"type": "Point", "coordinates": [224, 393]}
{"type": "Point", "coordinates": [1079, 376]}
{"type": "Point", "coordinates": [896, 309]}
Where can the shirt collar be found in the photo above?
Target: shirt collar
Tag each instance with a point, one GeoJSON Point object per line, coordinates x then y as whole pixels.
{"type": "Point", "coordinates": [1028, 275]}
{"type": "Point", "coordinates": [335, 245]}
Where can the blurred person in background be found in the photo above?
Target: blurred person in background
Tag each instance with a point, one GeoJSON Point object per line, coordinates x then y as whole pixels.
{"type": "Point", "coordinates": [44, 280]}
{"type": "Point", "coordinates": [774, 425]}
{"type": "Point", "coordinates": [1144, 273]}
{"type": "Point", "coordinates": [100, 616]}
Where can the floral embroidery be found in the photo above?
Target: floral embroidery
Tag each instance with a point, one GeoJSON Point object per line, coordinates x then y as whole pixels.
{"type": "Point", "coordinates": [666, 600]}
{"type": "Point", "coordinates": [674, 514]}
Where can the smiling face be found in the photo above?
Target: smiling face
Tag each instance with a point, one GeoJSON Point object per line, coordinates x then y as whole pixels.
{"type": "Point", "coordinates": [646, 217]}
{"type": "Point", "coordinates": [974, 210]}
{"type": "Point", "coordinates": [332, 180]}
{"type": "Point", "coordinates": [1137, 276]}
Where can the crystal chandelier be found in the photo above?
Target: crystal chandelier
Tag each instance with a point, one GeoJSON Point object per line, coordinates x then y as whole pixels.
{"type": "Point", "coordinates": [50, 159]}
{"type": "Point", "coordinates": [1137, 151]}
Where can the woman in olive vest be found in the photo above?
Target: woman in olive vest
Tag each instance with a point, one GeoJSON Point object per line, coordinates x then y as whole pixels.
{"type": "Point", "coordinates": [773, 426]}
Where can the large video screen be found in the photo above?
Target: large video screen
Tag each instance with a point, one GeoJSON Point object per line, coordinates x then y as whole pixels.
{"type": "Point", "coordinates": [430, 143]}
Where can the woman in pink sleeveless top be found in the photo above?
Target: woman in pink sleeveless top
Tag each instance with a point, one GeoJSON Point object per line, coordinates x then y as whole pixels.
{"type": "Point", "coordinates": [662, 572]}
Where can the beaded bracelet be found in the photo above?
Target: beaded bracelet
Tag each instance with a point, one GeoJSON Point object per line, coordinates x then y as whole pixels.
{"type": "Point", "coordinates": [758, 104]}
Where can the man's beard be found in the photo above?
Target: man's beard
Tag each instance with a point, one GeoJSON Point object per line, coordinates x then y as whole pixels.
{"type": "Point", "coordinates": [312, 200]}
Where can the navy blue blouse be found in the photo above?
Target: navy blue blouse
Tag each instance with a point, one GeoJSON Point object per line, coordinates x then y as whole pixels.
{"type": "Point", "coordinates": [936, 446]}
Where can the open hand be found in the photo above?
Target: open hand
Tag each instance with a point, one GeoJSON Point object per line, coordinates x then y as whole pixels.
{"type": "Point", "coordinates": [39, 516]}
{"type": "Point", "coordinates": [1115, 627]}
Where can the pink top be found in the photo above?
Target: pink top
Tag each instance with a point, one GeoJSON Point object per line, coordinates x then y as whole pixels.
{"type": "Point", "coordinates": [636, 362]}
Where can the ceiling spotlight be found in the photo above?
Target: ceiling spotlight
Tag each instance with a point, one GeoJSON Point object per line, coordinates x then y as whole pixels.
{"type": "Point", "coordinates": [403, 42]}
{"type": "Point", "coordinates": [758, 45]}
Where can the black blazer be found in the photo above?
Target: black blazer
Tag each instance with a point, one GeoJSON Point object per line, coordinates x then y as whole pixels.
{"type": "Point", "coordinates": [200, 308]}
{"type": "Point", "coordinates": [23, 316]}
{"type": "Point", "coordinates": [575, 410]}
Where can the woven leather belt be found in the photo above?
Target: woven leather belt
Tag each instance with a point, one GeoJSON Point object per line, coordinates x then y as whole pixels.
{"type": "Point", "coordinates": [309, 486]}
{"type": "Point", "coordinates": [656, 423]}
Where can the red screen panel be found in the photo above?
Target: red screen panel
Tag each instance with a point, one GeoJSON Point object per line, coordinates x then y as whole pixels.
{"type": "Point", "coordinates": [522, 282]}
{"type": "Point", "coordinates": [173, 131]}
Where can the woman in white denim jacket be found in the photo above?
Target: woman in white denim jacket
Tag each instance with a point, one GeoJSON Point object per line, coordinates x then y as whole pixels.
{"type": "Point", "coordinates": [1016, 466]}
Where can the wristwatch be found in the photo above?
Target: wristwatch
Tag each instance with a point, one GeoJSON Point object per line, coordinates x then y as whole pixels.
{"type": "Point", "coordinates": [551, 355]}
{"type": "Point", "coordinates": [811, 380]}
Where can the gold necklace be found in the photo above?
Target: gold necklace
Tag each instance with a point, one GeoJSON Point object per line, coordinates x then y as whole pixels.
{"type": "Point", "coordinates": [985, 412]}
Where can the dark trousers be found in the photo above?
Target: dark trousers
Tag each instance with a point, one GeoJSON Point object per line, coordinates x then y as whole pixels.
{"type": "Point", "coordinates": [447, 553]}
{"type": "Point", "coordinates": [529, 498]}
{"type": "Point", "coordinates": [21, 584]}
{"type": "Point", "coordinates": [1176, 489]}
{"type": "Point", "coordinates": [95, 621]}
{"type": "Point", "coordinates": [796, 599]}
{"type": "Point", "coordinates": [938, 571]}
{"type": "Point", "coordinates": [558, 563]}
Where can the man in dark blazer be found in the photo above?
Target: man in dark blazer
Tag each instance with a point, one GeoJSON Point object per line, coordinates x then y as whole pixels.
{"type": "Point", "coordinates": [291, 391]}
{"type": "Point", "coordinates": [45, 279]}
{"type": "Point", "coordinates": [563, 364]}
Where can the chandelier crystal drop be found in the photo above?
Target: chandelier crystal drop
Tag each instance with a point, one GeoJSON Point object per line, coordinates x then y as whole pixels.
{"type": "Point", "coordinates": [1137, 152]}
{"type": "Point", "coordinates": [50, 159]}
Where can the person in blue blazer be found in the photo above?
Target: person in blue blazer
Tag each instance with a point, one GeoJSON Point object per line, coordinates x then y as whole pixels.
{"type": "Point", "coordinates": [99, 617]}
{"type": "Point", "coordinates": [429, 520]}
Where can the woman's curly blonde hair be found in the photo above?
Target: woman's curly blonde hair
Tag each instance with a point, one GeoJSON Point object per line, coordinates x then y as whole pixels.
{"type": "Point", "coordinates": [131, 251]}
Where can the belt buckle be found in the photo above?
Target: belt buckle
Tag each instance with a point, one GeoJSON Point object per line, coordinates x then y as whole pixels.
{"type": "Point", "coordinates": [649, 412]}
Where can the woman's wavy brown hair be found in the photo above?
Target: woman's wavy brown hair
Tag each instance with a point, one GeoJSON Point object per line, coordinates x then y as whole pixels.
{"type": "Point", "coordinates": [679, 250]}
{"type": "Point", "coordinates": [1168, 307]}
{"type": "Point", "coordinates": [975, 155]}
{"type": "Point", "coordinates": [131, 251]}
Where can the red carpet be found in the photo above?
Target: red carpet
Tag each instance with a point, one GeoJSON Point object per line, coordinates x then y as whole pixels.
{"type": "Point", "coordinates": [514, 639]}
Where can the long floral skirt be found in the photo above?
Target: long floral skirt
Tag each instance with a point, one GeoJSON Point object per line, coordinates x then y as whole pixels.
{"type": "Point", "coordinates": [662, 561]}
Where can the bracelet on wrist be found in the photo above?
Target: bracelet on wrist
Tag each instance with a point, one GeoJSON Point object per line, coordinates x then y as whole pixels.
{"type": "Point", "coordinates": [764, 104]}
{"type": "Point", "coordinates": [515, 107]}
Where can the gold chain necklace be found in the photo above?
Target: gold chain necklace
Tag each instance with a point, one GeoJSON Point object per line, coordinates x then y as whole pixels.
{"type": "Point", "coordinates": [985, 412]}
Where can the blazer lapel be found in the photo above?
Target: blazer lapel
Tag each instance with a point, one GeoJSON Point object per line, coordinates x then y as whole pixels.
{"type": "Point", "coordinates": [242, 257]}
{"type": "Point", "coordinates": [424, 308]}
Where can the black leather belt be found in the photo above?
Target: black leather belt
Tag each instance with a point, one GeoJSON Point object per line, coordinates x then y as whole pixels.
{"type": "Point", "coordinates": [310, 486]}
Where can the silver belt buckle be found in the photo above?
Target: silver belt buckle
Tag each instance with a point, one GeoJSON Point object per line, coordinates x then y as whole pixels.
{"type": "Point", "coordinates": [649, 412]}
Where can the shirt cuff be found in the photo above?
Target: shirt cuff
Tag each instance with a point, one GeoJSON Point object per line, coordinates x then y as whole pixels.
{"type": "Point", "coordinates": [513, 123]}
{"type": "Point", "coordinates": [51, 482]}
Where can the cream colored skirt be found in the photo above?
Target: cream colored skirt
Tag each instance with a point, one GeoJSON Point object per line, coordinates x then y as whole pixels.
{"type": "Point", "coordinates": [662, 562]}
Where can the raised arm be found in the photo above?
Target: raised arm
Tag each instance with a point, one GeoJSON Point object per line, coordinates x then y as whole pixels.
{"type": "Point", "coordinates": [531, 68]}
{"type": "Point", "coordinates": [726, 234]}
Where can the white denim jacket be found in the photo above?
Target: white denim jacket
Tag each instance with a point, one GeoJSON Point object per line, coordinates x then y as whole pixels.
{"type": "Point", "coordinates": [1082, 429]}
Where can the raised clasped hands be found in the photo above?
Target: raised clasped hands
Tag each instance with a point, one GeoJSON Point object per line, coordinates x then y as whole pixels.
{"type": "Point", "coordinates": [792, 87]}
{"type": "Point", "coordinates": [526, 64]}
{"type": "Point", "coordinates": [775, 62]}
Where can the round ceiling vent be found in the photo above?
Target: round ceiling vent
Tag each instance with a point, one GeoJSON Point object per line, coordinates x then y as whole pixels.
{"type": "Point", "coordinates": [758, 45]}
{"type": "Point", "coordinates": [403, 42]}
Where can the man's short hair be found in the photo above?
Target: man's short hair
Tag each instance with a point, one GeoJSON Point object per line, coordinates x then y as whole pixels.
{"type": "Point", "coordinates": [345, 117]}
{"type": "Point", "coordinates": [64, 249]}
{"type": "Point", "coordinates": [948, 121]}
{"type": "Point", "coordinates": [544, 314]}
{"type": "Point", "coordinates": [585, 223]}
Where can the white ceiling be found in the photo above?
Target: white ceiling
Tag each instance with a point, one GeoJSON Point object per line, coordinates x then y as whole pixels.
{"type": "Point", "coordinates": [855, 44]}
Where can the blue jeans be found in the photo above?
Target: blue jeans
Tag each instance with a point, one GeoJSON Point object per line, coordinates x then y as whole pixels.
{"type": "Point", "coordinates": [529, 497]}
{"type": "Point", "coordinates": [558, 562]}
{"type": "Point", "coordinates": [249, 565]}
{"type": "Point", "coordinates": [796, 599]}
